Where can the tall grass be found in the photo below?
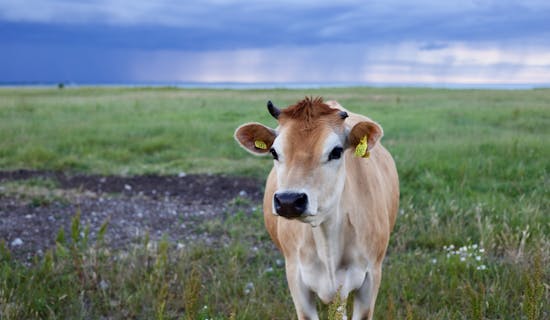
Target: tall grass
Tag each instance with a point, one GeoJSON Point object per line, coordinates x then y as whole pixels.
{"type": "Point", "coordinates": [471, 241]}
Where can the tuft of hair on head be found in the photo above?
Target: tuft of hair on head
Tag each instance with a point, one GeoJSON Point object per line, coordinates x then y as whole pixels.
{"type": "Point", "coordinates": [308, 110]}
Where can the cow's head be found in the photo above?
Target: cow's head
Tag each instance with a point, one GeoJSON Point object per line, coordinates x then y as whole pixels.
{"type": "Point", "coordinates": [309, 148]}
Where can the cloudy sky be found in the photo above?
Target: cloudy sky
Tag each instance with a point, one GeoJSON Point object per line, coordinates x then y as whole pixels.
{"type": "Point", "coordinates": [391, 41]}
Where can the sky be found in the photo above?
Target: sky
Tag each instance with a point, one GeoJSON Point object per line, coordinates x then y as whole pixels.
{"type": "Point", "coordinates": [166, 41]}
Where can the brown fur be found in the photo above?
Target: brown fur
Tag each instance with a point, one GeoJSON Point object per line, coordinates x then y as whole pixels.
{"type": "Point", "coordinates": [307, 112]}
{"type": "Point", "coordinates": [308, 121]}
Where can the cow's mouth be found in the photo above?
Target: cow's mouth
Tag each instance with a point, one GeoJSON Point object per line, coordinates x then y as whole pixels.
{"type": "Point", "coordinates": [306, 218]}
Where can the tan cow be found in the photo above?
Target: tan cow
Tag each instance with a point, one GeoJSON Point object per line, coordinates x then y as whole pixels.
{"type": "Point", "coordinates": [328, 210]}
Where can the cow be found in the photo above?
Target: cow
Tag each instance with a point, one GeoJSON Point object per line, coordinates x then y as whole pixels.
{"type": "Point", "coordinates": [330, 202]}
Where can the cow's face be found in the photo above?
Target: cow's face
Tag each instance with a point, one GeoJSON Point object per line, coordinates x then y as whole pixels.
{"type": "Point", "coordinates": [309, 149]}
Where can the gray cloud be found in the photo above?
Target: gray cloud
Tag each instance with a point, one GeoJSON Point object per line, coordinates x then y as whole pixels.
{"type": "Point", "coordinates": [231, 24]}
{"type": "Point", "coordinates": [217, 40]}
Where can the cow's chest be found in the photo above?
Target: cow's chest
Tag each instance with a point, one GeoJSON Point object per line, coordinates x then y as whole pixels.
{"type": "Point", "coordinates": [328, 276]}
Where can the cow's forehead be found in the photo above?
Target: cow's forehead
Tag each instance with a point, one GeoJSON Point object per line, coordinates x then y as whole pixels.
{"type": "Point", "coordinates": [298, 136]}
{"type": "Point", "coordinates": [304, 128]}
{"type": "Point", "coordinates": [304, 146]}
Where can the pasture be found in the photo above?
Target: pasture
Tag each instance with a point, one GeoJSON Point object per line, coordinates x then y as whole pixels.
{"type": "Point", "coordinates": [472, 239]}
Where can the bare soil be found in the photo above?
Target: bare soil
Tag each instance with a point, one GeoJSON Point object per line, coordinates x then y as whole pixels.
{"type": "Point", "coordinates": [172, 206]}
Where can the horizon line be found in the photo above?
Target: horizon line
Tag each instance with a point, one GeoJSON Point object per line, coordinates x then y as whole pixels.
{"type": "Point", "coordinates": [276, 85]}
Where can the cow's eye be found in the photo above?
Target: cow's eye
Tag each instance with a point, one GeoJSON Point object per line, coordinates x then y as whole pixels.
{"type": "Point", "coordinates": [274, 154]}
{"type": "Point", "coordinates": [336, 153]}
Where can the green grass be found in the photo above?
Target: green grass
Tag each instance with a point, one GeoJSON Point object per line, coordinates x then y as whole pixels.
{"type": "Point", "coordinates": [473, 167]}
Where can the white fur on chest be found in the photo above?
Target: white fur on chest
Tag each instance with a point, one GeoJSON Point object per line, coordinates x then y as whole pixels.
{"type": "Point", "coordinates": [326, 276]}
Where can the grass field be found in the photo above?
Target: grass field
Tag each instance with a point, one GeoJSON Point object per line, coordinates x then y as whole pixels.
{"type": "Point", "coordinates": [472, 240]}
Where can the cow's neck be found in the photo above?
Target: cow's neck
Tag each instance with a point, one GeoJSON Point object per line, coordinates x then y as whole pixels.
{"type": "Point", "coordinates": [328, 237]}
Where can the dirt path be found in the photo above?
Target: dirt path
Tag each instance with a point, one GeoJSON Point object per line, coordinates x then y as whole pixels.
{"type": "Point", "coordinates": [34, 205]}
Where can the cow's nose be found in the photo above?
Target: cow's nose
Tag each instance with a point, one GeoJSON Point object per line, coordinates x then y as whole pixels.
{"type": "Point", "coordinates": [290, 204]}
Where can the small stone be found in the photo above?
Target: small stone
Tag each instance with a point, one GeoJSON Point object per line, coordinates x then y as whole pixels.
{"type": "Point", "coordinates": [182, 174]}
{"type": "Point", "coordinates": [243, 193]}
{"type": "Point", "coordinates": [17, 242]}
{"type": "Point", "coordinates": [128, 187]}
{"type": "Point", "coordinates": [28, 216]}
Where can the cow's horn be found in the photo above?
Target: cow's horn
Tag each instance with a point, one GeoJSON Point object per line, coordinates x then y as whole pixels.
{"type": "Point", "coordinates": [273, 110]}
{"type": "Point", "coordinates": [343, 115]}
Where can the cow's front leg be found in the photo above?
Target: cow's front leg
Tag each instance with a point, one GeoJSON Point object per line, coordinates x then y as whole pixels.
{"type": "Point", "coordinates": [302, 296]}
{"type": "Point", "coordinates": [365, 297]}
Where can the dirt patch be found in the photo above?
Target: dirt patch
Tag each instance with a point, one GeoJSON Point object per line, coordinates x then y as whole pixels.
{"type": "Point", "coordinates": [171, 206]}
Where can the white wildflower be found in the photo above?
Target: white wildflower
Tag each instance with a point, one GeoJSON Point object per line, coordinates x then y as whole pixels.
{"type": "Point", "coordinates": [249, 287]}
{"type": "Point", "coordinates": [104, 285]}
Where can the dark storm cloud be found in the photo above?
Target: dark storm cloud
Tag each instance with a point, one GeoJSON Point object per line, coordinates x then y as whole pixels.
{"type": "Point", "coordinates": [117, 34]}
{"type": "Point", "coordinates": [233, 25]}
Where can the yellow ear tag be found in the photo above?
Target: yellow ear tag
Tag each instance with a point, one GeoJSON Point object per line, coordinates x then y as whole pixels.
{"type": "Point", "coordinates": [361, 149]}
{"type": "Point", "coordinates": [260, 144]}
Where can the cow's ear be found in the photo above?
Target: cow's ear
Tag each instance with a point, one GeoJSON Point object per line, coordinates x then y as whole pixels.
{"type": "Point", "coordinates": [369, 129]}
{"type": "Point", "coordinates": [255, 138]}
